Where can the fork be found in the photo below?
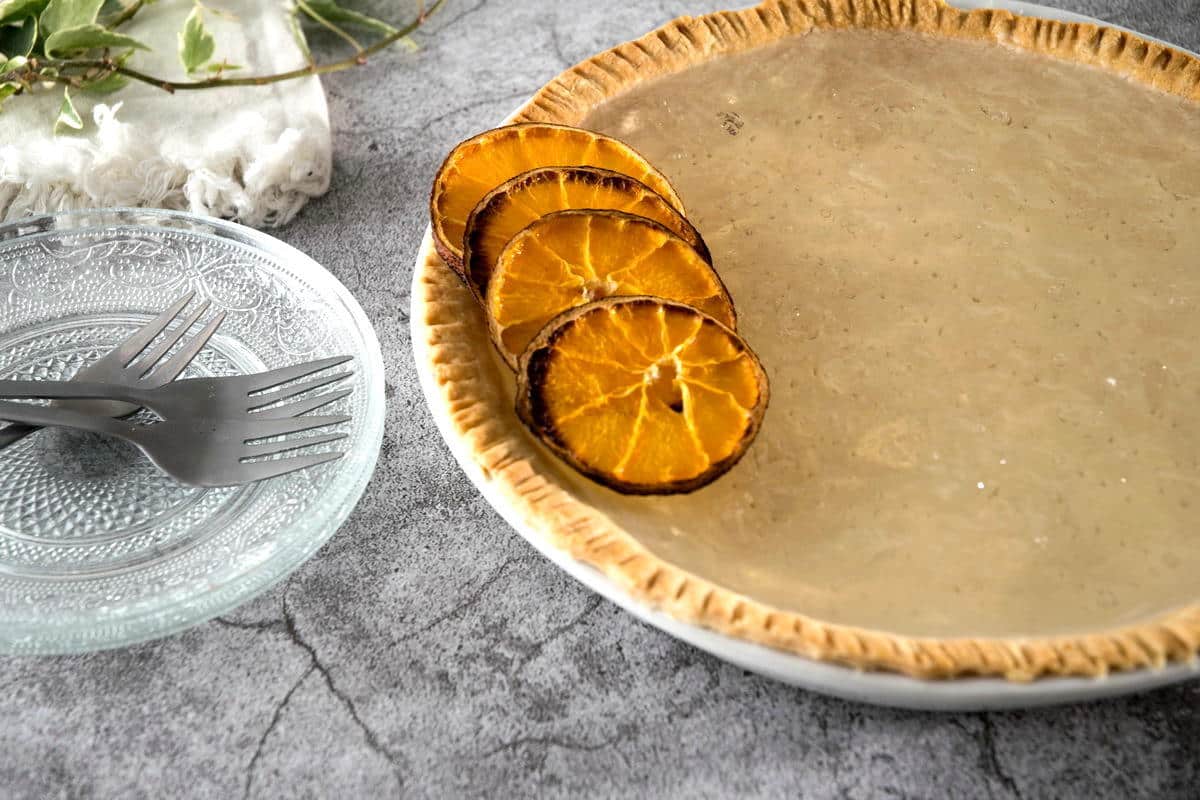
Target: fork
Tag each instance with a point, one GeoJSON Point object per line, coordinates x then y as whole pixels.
{"type": "Point", "coordinates": [121, 365]}
{"type": "Point", "coordinates": [201, 451]}
{"type": "Point", "coordinates": [232, 397]}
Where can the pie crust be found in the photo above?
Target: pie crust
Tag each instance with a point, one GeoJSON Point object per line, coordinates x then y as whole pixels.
{"type": "Point", "coordinates": [477, 395]}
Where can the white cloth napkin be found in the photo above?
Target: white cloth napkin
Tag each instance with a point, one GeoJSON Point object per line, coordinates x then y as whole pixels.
{"type": "Point", "coordinates": [254, 154]}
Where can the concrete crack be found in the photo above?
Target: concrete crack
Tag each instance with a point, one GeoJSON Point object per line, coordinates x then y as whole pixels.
{"type": "Point", "coordinates": [455, 113]}
{"type": "Point", "coordinates": [546, 742]}
{"type": "Point", "coordinates": [368, 733]}
{"type": "Point", "coordinates": [987, 745]}
{"type": "Point", "coordinates": [539, 646]}
{"type": "Point", "coordinates": [556, 44]}
{"type": "Point", "coordinates": [474, 598]}
{"type": "Point", "coordinates": [989, 760]}
{"type": "Point", "coordinates": [491, 100]}
{"type": "Point", "coordinates": [459, 17]}
{"type": "Point", "coordinates": [262, 740]}
{"type": "Point", "coordinates": [265, 625]}
{"type": "Point", "coordinates": [288, 625]}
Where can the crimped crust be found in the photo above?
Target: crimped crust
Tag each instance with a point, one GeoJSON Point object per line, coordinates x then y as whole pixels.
{"type": "Point", "coordinates": [474, 394]}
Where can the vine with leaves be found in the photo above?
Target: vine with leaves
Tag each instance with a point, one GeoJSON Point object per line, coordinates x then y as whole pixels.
{"type": "Point", "coordinates": [77, 45]}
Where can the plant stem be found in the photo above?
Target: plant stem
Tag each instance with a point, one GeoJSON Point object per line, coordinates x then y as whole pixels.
{"type": "Point", "coordinates": [64, 81]}
{"type": "Point", "coordinates": [320, 20]}
{"type": "Point", "coordinates": [126, 14]}
{"type": "Point", "coordinates": [108, 66]}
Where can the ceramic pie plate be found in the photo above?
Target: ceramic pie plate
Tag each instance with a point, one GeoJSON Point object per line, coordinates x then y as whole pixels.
{"type": "Point", "coordinates": [866, 546]}
{"type": "Point", "coordinates": [97, 547]}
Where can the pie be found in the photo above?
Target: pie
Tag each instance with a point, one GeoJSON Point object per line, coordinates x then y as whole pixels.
{"type": "Point", "coordinates": [964, 247]}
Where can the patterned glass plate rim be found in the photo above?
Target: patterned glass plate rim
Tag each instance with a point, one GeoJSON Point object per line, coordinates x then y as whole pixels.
{"type": "Point", "coordinates": [315, 503]}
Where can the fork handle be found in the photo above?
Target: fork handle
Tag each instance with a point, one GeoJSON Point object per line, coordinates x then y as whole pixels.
{"type": "Point", "coordinates": [74, 390]}
{"type": "Point", "coordinates": [15, 432]}
{"type": "Point", "coordinates": [58, 390]}
{"type": "Point", "coordinates": [45, 416]}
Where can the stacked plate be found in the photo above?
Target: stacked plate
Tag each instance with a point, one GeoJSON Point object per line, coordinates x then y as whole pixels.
{"type": "Point", "coordinates": [97, 547]}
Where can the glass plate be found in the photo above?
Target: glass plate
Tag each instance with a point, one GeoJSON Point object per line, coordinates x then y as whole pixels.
{"type": "Point", "coordinates": [97, 547]}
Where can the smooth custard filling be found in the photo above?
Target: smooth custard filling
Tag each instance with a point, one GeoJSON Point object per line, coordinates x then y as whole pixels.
{"type": "Point", "coordinates": [973, 275]}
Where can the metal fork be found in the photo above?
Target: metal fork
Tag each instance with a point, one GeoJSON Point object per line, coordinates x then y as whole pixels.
{"type": "Point", "coordinates": [232, 397]}
{"type": "Point", "coordinates": [121, 365]}
{"type": "Point", "coordinates": [200, 451]}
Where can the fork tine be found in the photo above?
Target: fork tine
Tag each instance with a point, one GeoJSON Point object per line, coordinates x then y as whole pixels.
{"type": "Point", "coordinates": [261, 470]}
{"type": "Point", "coordinates": [302, 406]}
{"type": "Point", "coordinates": [142, 367]}
{"type": "Point", "coordinates": [268, 398]}
{"type": "Point", "coordinates": [283, 446]}
{"type": "Point", "coordinates": [129, 349]}
{"type": "Point", "coordinates": [169, 370]}
{"type": "Point", "coordinates": [269, 380]}
{"type": "Point", "coordinates": [281, 427]}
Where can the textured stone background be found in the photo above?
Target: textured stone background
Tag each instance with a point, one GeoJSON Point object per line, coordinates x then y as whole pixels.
{"type": "Point", "coordinates": [428, 651]}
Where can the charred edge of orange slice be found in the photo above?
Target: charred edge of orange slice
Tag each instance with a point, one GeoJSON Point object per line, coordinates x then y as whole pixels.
{"type": "Point", "coordinates": [493, 327]}
{"type": "Point", "coordinates": [451, 252]}
{"type": "Point", "coordinates": [531, 410]}
{"type": "Point", "coordinates": [478, 273]}
{"type": "Point", "coordinates": [450, 258]}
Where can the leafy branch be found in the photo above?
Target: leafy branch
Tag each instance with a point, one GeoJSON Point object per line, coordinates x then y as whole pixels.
{"type": "Point", "coordinates": [75, 44]}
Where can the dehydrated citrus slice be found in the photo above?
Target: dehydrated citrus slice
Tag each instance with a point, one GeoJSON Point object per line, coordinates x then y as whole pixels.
{"type": "Point", "coordinates": [483, 162]}
{"type": "Point", "coordinates": [512, 205]}
{"type": "Point", "coordinates": [641, 394]}
{"type": "Point", "coordinates": [570, 258]}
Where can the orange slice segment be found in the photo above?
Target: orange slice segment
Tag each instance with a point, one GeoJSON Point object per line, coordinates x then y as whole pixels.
{"type": "Point", "coordinates": [483, 162]}
{"type": "Point", "coordinates": [569, 258]}
{"type": "Point", "coordinates": [641, 394]}
{"type": "Point", "coordinates": [514, 204]}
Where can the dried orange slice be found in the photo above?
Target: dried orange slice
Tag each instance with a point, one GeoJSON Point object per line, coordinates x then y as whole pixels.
{"type": "Point", "coordinates": [483, 162]}
{"type": "Point", "coordinates": [512, 205]}
{"type": "Point", "coordinates": [641, 394]}
{"type": "Point", "coordinates": [570, 258]}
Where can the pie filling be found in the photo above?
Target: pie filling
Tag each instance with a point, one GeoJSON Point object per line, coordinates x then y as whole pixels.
{"type": "Point", "coordinates": [973, 275]}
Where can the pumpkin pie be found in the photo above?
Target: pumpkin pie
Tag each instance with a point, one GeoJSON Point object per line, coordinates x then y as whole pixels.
{"type": "Point", "coordinates": [964, 247]}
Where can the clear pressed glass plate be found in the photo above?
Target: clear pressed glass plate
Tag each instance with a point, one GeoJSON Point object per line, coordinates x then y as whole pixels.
{"type": "Point", "coordinates": [97, 547]}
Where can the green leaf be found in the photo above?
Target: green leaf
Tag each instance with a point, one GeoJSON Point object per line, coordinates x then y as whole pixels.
{"type": "Point", "coordinates": [68, 117]}
{"type": "Point", "coordinates": [15, 9]}
{"type": "Point", "coordinates": [196, 44]}
{"type": "Point", "coordinates": [7, 90]}
{"type": "Point", "coordinates": [13, 64]}
{"type": "Point", "coordinates": [332, 12]}
{"type": "Point", "coordinates": [223, 67]}
{"type": "Point", "coordinates": [17, 40]}
{"type": "Point", "coordinates": [108, 84]}
{"type": "Point", "coordinates": [87, 37]}
{"type": "Point", "coordinates": [62, 14]}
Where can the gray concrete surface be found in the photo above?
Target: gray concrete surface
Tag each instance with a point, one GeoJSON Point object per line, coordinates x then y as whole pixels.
{"type": "Point", "coordinates": [427, 651]}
